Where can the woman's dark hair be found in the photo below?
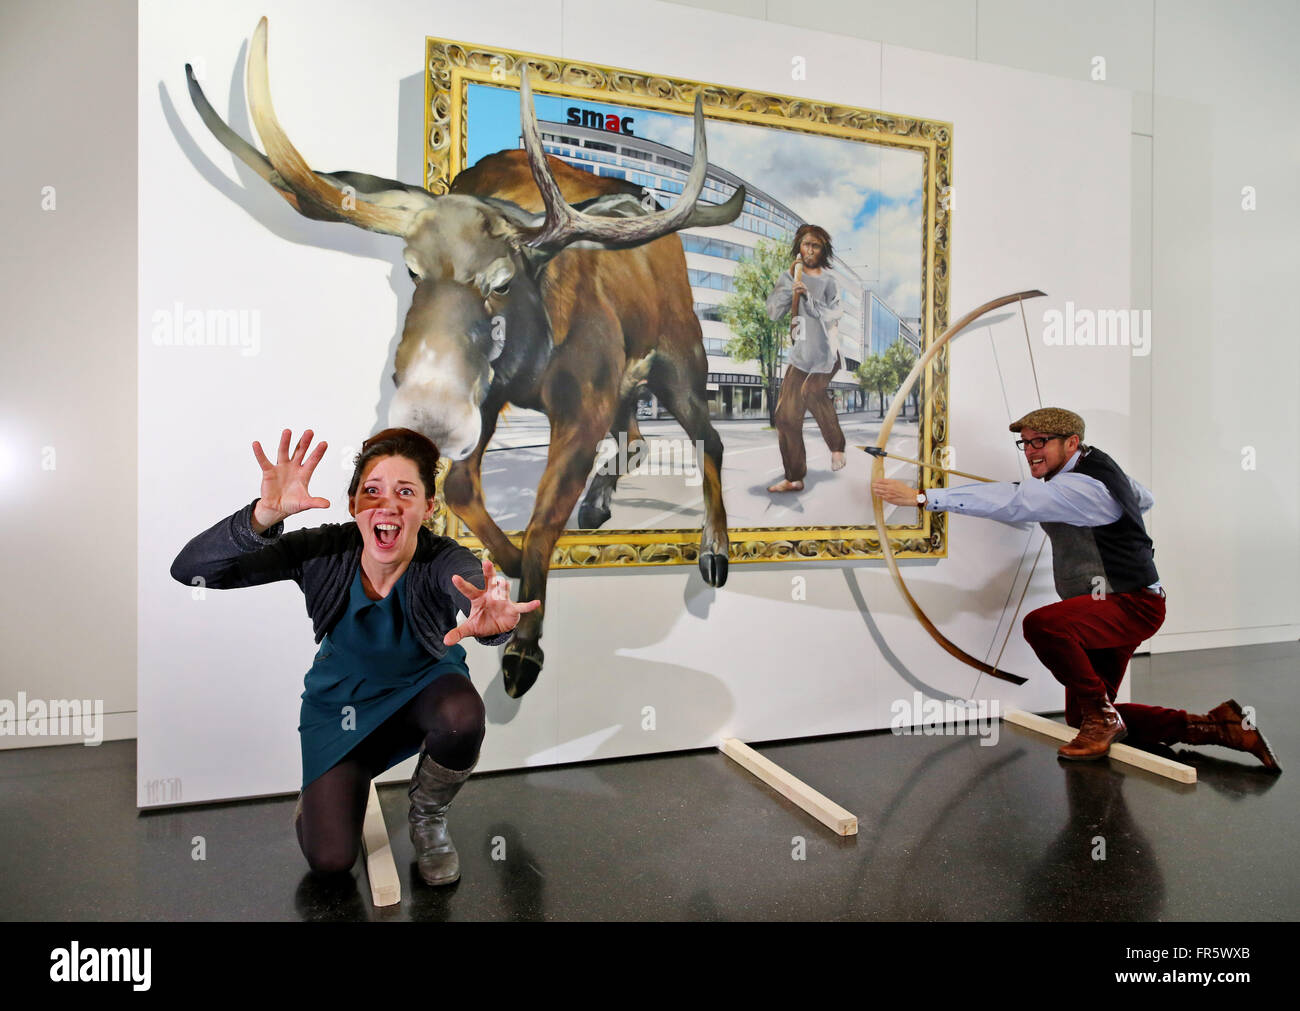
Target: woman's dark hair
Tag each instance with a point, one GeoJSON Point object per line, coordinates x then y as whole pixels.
{"type": "Point", "coordinates": [817, 232]}
{"type": "Point", "coordinates": [398, 442]}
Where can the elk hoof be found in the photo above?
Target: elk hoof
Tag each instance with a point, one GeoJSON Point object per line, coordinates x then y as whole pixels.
{"type": "Point", "coordinates": [713, 567]}
{"type": "Point", "coordinates": [592, 517]}
{"type": "Point", "coordinates": [520, 666]}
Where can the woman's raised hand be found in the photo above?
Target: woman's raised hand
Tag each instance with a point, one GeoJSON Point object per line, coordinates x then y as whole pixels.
{"type": "Point", "coordinates": [491, 609]}
{"type": "Point", "coordinates": [284, 483]}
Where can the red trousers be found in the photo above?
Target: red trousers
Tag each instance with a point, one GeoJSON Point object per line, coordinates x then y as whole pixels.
{"type": "Point", "coordinates": [1086, 643]}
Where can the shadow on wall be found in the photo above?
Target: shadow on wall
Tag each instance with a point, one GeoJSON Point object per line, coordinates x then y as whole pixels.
{"type": "Point", "coordinates": [260, 201]}
{"type": "Point", "coordinates": [688, 705]}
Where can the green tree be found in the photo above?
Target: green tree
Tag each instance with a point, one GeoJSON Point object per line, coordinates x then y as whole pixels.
{"type": "Point", "coordinates": [876, 375]}
{"type": "Point", "coordinates": [755, 337]}
{"type": "Point", "coordinates": [900, 357]}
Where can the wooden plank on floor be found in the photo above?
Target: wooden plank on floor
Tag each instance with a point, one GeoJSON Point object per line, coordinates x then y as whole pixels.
{"type": "Point", "coordinates": [385, 888]}
{"type": "Point", "coordinates": [824, 810]}
{"type": "Point", "coordinates": [1118, 752]}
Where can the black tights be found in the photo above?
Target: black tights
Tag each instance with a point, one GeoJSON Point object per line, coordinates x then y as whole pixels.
{"type": "Point", "coordinates": [447, 718]}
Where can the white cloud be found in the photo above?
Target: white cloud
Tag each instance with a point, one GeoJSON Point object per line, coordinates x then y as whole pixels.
{"type": "Point", "coordinates": [828, 181]}
{"type": "Point", "coordinates": [901, 252]}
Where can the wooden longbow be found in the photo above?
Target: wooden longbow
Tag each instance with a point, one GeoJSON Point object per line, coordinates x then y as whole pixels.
{"type": "Point", "coordinates": [878, 471]}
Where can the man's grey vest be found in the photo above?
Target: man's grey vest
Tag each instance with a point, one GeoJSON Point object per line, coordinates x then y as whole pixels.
{"type": "Point", "coordinates": [1115, 558]}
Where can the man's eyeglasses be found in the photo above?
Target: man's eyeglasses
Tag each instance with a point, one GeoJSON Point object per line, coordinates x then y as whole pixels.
{"type": "Point", "coordinates": [1038, 443]}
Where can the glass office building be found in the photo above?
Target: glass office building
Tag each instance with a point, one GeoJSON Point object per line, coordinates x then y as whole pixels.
{"type": "Point", "coordinates": [736, 389]}
{"type": "Point", "coordinates": [886, 327]}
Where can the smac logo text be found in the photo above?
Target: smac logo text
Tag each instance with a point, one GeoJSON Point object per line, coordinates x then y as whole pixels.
{"type": "Point", "coordinates": [597, 120]}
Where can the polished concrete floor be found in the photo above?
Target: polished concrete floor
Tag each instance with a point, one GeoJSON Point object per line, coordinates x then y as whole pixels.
{"type": "Point", "coordinates": [949, 830]}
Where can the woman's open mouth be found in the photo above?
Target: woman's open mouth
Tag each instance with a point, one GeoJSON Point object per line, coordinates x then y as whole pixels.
{"type": "Point", "coordinates": [386, 535]}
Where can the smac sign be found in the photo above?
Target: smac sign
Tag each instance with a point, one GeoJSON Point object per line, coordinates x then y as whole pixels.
{"type": "Point", "coordinates": [597, 120]}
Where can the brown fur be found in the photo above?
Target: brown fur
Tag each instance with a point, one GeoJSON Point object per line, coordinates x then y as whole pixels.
{"type": "Point", "coordinates": [645, 285]}
{"type": "Point", "coordinates": [608, 309]}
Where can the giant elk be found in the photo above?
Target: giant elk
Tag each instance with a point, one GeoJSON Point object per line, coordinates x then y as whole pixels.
{"type": "Point", "coordinates": [591, 302]}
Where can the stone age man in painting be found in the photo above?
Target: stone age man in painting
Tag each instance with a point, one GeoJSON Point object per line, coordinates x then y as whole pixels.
{"type": "Point", "coordinates": [809, 293]}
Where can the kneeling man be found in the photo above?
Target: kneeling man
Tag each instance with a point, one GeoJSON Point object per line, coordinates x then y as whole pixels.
{"type": "Point", "coordinates": [1112, 600]}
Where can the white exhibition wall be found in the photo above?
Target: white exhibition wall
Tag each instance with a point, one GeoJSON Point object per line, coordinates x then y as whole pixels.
{"type": "Point", "coordinates": [1042, 179]}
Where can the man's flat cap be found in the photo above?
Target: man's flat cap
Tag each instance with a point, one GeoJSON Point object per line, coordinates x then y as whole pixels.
{"type": "Point", "coordinates": [1051, 421]}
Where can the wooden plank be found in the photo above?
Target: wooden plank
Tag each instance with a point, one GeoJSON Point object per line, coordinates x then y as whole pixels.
{"type": "Point", "coordinates": [824, 810]}
{"type": "Point", "coordinates": [385, 888]}
{"type": "Point", "coordinates": [1119, 752]}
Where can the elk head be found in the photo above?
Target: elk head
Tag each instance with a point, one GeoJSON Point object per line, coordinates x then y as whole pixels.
{"type": "Point", "coordinates": [475, 261]}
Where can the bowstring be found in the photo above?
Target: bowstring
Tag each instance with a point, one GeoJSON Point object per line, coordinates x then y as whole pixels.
{"type": "Point", "coordinates": [1011, 625]}
{"type": "Point", "coordinates": [1029, 345]}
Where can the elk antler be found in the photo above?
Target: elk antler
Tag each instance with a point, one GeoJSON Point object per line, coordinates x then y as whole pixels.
{"type": "Point", "coordinates": [317, 196]}
{"type": "Point", "coordinates": [564, 225]}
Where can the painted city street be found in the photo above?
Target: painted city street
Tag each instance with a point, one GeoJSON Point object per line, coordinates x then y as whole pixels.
{"type": "Point", "coordinates": [664, 494]}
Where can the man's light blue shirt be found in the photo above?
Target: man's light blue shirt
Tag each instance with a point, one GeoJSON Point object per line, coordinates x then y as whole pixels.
{"type": "Point", "coordinates": [1076, 499]}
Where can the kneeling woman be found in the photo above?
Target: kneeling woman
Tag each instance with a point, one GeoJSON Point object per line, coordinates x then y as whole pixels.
{"type": "Point", "coordinates": [390, 678]}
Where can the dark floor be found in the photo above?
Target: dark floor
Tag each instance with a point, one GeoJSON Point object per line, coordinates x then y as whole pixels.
{"type": "Point", "coordinates": [949, 830]}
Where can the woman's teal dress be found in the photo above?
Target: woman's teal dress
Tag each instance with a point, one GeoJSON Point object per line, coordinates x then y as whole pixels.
{"type": "Point", "coordinates": [369, 665]}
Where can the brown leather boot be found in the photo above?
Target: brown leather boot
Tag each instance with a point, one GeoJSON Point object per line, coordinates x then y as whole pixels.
{"type": "Point", "coordinates": [1101, 727]}
{"type": "Point", "coordinates": [1223, 726]}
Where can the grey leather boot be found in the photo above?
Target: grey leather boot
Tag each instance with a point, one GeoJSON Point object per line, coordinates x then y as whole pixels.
{"type": "Point", "coordinates": [432, 788]}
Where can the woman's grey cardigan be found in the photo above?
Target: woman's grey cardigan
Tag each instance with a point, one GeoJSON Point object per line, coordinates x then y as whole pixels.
{"type": "Point", "coordinates": [323, 562]}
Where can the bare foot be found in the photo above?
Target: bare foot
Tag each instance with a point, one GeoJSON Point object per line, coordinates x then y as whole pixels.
{"type": "Point", "coordinates": [837, 461]}
{"type": "Point", "coordinates": [786, 486]}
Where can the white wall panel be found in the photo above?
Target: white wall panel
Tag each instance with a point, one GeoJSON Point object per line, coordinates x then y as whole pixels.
{"type": "Point", "coordinates": [226, 672]}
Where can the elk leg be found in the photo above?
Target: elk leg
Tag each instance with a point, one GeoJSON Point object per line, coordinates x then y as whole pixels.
{"type": "Point", "coordinates": [594, 511]}
{"type": "Point", "coordinates": [463, 490]}
{"type": "Point", "coordinates": [687, 403]}
{"type": "Point", "coordinates": [572, 452]}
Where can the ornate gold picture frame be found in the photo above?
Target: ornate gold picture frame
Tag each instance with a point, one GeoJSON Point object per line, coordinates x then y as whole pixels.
{"type": "Point", "coordinates": [453, 70]}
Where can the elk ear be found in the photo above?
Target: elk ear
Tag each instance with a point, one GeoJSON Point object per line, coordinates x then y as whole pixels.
{"type": "Point", "coordinates": [510, 217]}
{"type": "Point", "coordinates": [412, 264]}
{"type": "Point", "coordinates": [619, 205]}
{"type": "Point", "coordinates": [516, 237]}
{"type": "Point", "coordinates": [514, 224]}
{"type": "Point", "coordinates": [536, 259]}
